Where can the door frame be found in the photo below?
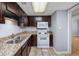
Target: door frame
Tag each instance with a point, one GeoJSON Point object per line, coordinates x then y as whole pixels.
{"type": "Point", "coordinates": [70, 36]}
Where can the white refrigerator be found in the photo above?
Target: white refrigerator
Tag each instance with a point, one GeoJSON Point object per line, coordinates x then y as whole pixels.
{"type": "Point", "coordinates": [42, 35]}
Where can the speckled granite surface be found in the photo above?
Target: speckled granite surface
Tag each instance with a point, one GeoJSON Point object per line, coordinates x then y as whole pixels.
{"type": "Point", "coordinates": [11, 49]}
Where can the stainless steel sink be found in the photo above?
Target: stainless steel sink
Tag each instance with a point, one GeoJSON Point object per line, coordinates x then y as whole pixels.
{"type": "Point", "coordinates": [15, 41]}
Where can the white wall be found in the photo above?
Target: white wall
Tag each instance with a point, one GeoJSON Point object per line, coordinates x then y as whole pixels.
{"type": "Point", "coordinates": [54, 27]}
{"type": "Point", "coordinates": [32, 29]}
{"type": "Point", "coordinates": [29, 29]}
{"type": "Point", "coordinates": [75, 24]}
{"type": "Point", "coordinates": [59, 28]}
{"type": "Point", "coordinates": [8, 29]}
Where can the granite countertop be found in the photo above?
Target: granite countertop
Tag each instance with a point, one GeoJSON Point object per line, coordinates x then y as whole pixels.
{"type": "Point", "coordinates": [11, 49]}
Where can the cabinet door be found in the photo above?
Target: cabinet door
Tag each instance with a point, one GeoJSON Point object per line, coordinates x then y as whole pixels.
{"type": "Point", "coordinates": [20, 12]}
{"type": "Point", "coordinates": [15, 8]}
{"type": "Point", "coordinates": [32, 21]}
{"type": "Point", "coordinates": [47, 19]}
{"type": "Point", "coordinates": [34, 40]}
{"type": "Point", "coordinates": [23, 49]}
{"type": "Point", "coordinates": [11, 6]}
{"type": "Point", "coordinates": [18, 53]}
{"type": "Point", "coordinates": [1, 14]}
{"type": "Point", "coordinates": [51, 40]}
{"type": "Point", "coordinates": [25, 20]}
{"type": "Point", "coordinates": [4, 6]}
{"type": "Point", "coordinates": [28, 46]}
{"type": "Point", "coordinates": [24, 52]}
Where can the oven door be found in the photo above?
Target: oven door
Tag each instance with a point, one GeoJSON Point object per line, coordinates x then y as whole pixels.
{"type": "Point", "coordinates": [43, 41]}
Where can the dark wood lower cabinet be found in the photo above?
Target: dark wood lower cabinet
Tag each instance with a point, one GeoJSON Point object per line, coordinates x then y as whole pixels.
{"type": "Point", "coordinates": [28, 46]}
{"type": "Point", "coordinates": [32, 41]}
{"type": "Point", "coordinates": [25, 49]}
{"type": "Point", "coordinates": [51, 40]}
{"type": "Point", "coordinates": [24, 52]}
{"type": "Point", "coordinates": [18, 53]}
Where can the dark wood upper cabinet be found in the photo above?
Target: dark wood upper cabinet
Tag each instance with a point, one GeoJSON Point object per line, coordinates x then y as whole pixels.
{"type": "Point", "coordinates": [11, 6]}
{"type": "Point", "coordinates": [20, 12]}
{"type": "Point", "coordinates": [12, 10]}
{"type": "Point", "coordinates": [1, 13]}
{"type": "Point", "coordinates": [23, 21]}
{"type": "Point", "coordinates": [33, 22]}
{"type": "Point", "coordinates": [3, 7]}
{"type": "Point", "coordinates": [15, 8]}
{"type": "Point", "coordinates": [47, 19]}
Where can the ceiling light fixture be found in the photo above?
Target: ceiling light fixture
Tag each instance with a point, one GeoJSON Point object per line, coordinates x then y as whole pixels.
{"type": "Point", "coordinates": [39, 6]}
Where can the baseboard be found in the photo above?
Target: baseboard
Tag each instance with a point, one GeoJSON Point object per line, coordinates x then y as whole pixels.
{"type": "Point", "coordinates": [61, 52]}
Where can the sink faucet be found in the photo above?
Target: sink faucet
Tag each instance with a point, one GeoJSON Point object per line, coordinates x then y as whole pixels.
{"type": "Point", "coordinates": [12, 36]}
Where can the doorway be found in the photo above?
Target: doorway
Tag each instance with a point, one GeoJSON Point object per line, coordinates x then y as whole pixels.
{"type": "Point", "coordinates": [75, 31]}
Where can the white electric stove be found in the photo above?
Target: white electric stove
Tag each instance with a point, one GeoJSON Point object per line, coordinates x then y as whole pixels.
{"type": "Point", "coordinates": [42, 35]}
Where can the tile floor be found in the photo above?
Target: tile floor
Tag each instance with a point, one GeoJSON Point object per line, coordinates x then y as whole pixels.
{"type": "Point", "coordinates": [50, 52]}
{"type": "Point", "coordinates": [43, 52]}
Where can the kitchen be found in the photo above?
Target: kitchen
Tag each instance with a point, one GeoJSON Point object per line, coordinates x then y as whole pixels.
{"type": "Point", "coordinates": [13, 15]}
{"type": "Point", "coordinates": [22, 30]}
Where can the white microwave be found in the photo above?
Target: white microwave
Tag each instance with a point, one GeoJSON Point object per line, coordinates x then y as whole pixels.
{"type": "Point", "coordinates": [42, 24]}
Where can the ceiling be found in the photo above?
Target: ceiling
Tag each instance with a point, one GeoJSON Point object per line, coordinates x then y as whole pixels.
{"type": "Point", "coordinates": [50, 9]}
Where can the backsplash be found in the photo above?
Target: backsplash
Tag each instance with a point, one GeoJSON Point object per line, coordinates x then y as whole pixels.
{"type": "Point", "coordinates": [8, 29]}
{"type": "Point", "coordinates": [30, 29]}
